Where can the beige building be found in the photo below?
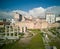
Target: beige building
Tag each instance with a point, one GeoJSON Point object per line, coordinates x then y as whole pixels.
{"type": "Point", "coordinates": [18, 17]}
{"type": "Point", "coordinates": [33, 24]}
{"type": "Point", "coordinates": [37, 23]}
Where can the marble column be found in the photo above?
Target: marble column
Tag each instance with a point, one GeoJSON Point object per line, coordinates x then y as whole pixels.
{"type": "Point", "coordinates": [9, 31]}
{"type": "Point", "coordinates": [5, 31]}
{"type": "Point", "coordinates": [13, 31]}
{"type": "Point", "coordinates": [24, 29]}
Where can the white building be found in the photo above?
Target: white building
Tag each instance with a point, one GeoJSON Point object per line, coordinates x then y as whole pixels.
{"type": "Point", "coordinates": [57, 18]}
{"type": "Point", "coordinates": [13, 31]}
{"type": "Point", "coordinates": [50, 17]}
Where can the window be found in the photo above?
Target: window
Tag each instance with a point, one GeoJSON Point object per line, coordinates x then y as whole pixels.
{"type": "Point", "coordinates": [11, 34]}
{"type": "Point", "coordinates": [15, 33]}
{"type": "Point", "coordinates": [7, 34]}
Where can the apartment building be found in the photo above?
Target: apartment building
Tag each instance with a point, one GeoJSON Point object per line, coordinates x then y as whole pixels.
{"type": "Point", "coordinates": [50, 17]}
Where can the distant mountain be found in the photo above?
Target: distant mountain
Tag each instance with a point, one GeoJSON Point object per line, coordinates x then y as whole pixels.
{"type": "Point", "coordinates": [54, 9]}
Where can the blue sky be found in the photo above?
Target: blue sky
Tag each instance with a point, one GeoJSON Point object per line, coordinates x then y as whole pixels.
{"type": "Point", "coordinates": [26, 5]}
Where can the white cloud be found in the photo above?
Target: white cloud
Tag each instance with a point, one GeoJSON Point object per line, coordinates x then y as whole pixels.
{"type": "Point", "coordinates": [21, 12]}
{"type": "Point", "coordinates": [4, 14]}
{"type": "Point", "coordinates": [25, 14]}
{"type": "Point", "coordinates": [34, 12]}
{"type": "Point", "coordinates": [54, 9]}
{"type": "Point", "coordinates": [37, 12]}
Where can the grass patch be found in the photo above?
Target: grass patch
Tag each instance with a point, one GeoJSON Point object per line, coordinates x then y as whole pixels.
{"type": "Point", "coordinates": [36, 42]}
{"type": "Point", "coordinates": [14, 45]}
{"type": "Point", "coordinates": [35, 30]}
{"type": "Point", "coordinates": [54, 42]}
{"type": "Point", "coordinates": [55, 31]}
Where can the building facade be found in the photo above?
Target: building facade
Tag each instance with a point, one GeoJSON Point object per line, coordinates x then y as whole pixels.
{"type": "Point", "coordinates": [58, 18]}
{"type": "Point", "coordinates": [50, 17]}
{"type": "Point", "coordinates": [18, 17]}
